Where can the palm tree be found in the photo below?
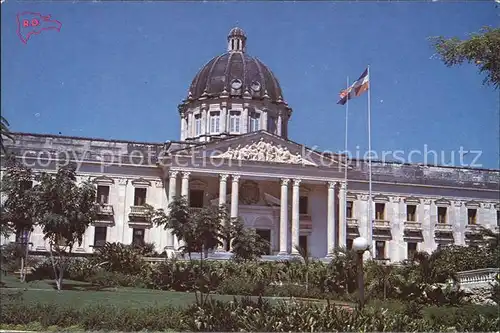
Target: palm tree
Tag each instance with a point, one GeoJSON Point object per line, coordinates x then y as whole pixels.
{"type": "Point", "coordinates": [4, 131]}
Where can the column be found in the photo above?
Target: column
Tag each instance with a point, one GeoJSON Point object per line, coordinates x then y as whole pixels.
{"type": "Point", "coordinates": [189, 126]}
{"type": "Point", "coordinates": [223, 116]}
{"type": "Point", "coordinates": [330, 222]}
{"type": "Point", "coordinates": [222, 200]}
{"type": "Point", "coordinates": [295, 216]}
{"type": "Point", "coordinates": [183, 127]}
{"type": "Point", "coordinates": [280, 121]}
{"type": "Point", "coordinates": [185, 185]}
{"type": "Point", "coordinates": [234, 196]}
{"type": "Point", "coordinates": [284, 217]}
{"type": "Point", "coordinates": [342, 215]}
{"type": "Point", "coordinates": [172, 187]}
{"type": "Point", "coordinates": [204, 121]}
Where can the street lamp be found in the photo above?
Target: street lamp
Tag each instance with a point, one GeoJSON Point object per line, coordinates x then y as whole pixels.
{"type": "Point", "coordinates": [360, 245]}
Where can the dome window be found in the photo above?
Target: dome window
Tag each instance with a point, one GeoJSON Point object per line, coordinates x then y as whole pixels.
{"type": "Point", "coordinates": [255, 86]}
{"type": "Point", "coordinates": [236, 84]}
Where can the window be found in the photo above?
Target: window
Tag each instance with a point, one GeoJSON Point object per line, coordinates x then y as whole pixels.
{"type": "Point", "coordinates": [349, 243]}
{"type": "Point", "coordinates": [271, 124]}
{"type": "Point", "coordinates": [498, 218]}
{"type": "Point", "coordinates": [254, 122]}
{"type": "Point", "coordinates": [137, 236]}
{"type": "Point", "coordinates": [139, 196]}
{"type": "Point", "coordinates": [411, 250]}
{"type": "Point", "coordinates": [303, 205]}
{"type": "Point", "coordinates": [102, 194]}
{"type": "Point", "coordinates": [100, 236]}
{"type": "Point", "coordinates": [22, 236]}
{"type": "Point", "coordinates": [442, 214]}
{"type": "Point", "coordinates": [379, 250]}
{"type": "Point", "coordinates": [471, 216]}
{"type": "Point", "coordinates": [197, 124]}
{"type": "Point", "coordinates": [234, 122]}
{"type": "Point", "coordinates": [265, 234]}
{"type": "Point", "coordinates": [379, 211]}
{"type": "Point", "coordinates": [196, 198]}
{"type": "Point", "coordinates": [411, 213]}
{"type": "Point", "coordinates": [214, 122]}
{"type": "Point", "coordinates": [349, 209]}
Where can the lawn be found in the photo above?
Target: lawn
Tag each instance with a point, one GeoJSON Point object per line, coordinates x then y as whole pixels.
{"type": "Point", "coordinates": [80, 294]}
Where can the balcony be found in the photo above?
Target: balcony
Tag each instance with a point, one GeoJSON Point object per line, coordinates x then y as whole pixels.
{"type": "Point", "coordinates": [382, 224]}
{"type": "Point", "coordinates": [473, 228]}
{"type": "Point", "coordinates": [352, 223]}
{"type": "Point", "coordinates": [413, 226]}
{"type": "Point", "coordinates": [138, 211]}
{"type": "Point", "coordinates": [305, 224]}
{"type": "Point", "coordinates": [443, 228]}
{"type": "Point", "coordinates": [305, 217]}
{"type": "Point", "coordinates": [105, 210]}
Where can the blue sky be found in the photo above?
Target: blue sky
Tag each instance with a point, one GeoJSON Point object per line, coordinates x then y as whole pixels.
{"type": "Point", "coordinates": [119, 69]}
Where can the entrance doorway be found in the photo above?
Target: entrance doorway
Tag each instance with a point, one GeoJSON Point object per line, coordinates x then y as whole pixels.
{"type": "Point", "coordinates": [265, 234]}
{"type": "Point", "coordinates": [303, 243]}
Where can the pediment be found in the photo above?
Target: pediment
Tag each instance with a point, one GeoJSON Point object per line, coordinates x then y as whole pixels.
{"type": "Point", "coordinates": [103, 180]}
{"type": "Point", "coordinates": [259, 147]}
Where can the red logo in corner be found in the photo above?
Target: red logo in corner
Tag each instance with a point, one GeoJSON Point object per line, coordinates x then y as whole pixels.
{"type": "Point", "coordinates": [29, 24]}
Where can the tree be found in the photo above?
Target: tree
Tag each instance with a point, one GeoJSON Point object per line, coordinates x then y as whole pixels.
{"type": "Point", "coordinates": [4, 131]}
{"type": "Point", "coordinates": [64, 210]}
{"type": "Point", "coordinates": [17, 209]}
{"type": "Point", "coordinates": [247, 245]}
{"type": "Point", "coordinates": [482, 49]}
{"type": "Point", "coordinates": [199, 230]}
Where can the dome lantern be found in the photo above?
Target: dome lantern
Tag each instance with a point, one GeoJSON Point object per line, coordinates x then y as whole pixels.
{"type": "Point", "coordinates": [236, 40]}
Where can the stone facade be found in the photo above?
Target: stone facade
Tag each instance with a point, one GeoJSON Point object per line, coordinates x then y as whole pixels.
{"type": "Point", "coordinates": [234, 149]}
{"type": "Point", "coordinates": [291, 201]}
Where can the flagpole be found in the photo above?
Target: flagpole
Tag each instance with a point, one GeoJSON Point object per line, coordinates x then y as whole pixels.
{"type": "Point", "coordinates": [370, 204]}
{"type": "Point", "coordinates": [346, 161]}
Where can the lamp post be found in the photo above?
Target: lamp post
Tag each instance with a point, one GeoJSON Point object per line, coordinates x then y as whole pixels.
{"type": "Point", "coordinates": [360, 245]}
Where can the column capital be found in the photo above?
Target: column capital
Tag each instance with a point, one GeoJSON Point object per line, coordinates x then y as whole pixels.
{"type": "Point", "coordinates": [285, 181]}
{"type": "Point", "coordinates": [296, 182]}
{"type": "Point", "coordinates": [223, 177]}
{"type": "Point", "coordinates": [186, 174]}
{"type": "Point", "coordinates": [122, 181]}
{"type": "Point", "coordinates": [173, 174]}
{"type": "Point", "coordinates": [343, 186]}
{"type": "Point", "coordinates": [331, 184]}
{"type": "Point", "coordinates": [236, 178]}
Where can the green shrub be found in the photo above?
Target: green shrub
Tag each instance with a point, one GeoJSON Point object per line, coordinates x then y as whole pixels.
{"type": "Point", "coordinates": [248, 315]}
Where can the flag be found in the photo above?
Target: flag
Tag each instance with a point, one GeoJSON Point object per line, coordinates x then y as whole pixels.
{"type": "Point", "coordinates": [356, 89]}
{"type": "Point", "coordinates": [30, 23]}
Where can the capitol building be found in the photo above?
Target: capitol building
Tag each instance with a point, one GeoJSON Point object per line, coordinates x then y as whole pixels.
{"type": "Point", "coordinates": [235, 148]}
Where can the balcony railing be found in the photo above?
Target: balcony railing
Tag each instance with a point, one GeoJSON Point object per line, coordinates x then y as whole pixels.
{"type": "Point", "coordinates": [443, 227]}
{"type": "Point", "coordinates": [139, 211]}
{"type": "Point", "coordinates": [352, 223]}
{"type": "Point", "coordinates": [105, 209]}
{"type": "Point", "coordinates": [477, 278]}
{"type": "Point", "coordinates": [413, 226]}
{"type": "Point", "coordinates": [381, 224]}
{"type": "Point", "coordinates": [473, 228]}
{"type": "Point", "coordinates": [305, 217]}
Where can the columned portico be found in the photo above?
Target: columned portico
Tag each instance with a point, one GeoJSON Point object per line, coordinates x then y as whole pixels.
{"type": "Point", "coordinates": [342, 214]}
{"type": "Point", "coordinates": [330, 227]}
{"type": "Point", "coordinates": [284, 217]}
{"type": "Point", "coordinates": [295, 216]}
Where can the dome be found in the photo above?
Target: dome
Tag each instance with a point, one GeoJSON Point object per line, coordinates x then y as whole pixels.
{"type": "Point", "coordinates": [235, 73]}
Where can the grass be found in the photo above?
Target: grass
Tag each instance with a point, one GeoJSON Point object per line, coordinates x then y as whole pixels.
{"type": "Point", "coordinates": [81, 294]}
